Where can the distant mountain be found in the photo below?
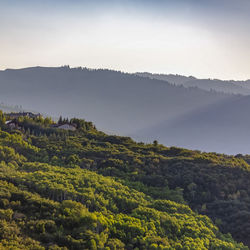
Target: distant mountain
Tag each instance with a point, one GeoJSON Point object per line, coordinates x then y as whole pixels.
{"type": "Point", "coordinates": [141, 107]}
{"type": "Point", "coordinates": [230, 87]}
{"type": "Point", "coordinates": [116, 102]}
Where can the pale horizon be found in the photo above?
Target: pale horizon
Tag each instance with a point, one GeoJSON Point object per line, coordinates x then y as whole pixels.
{"type": "Point", "coordinates": [205, 40]}
{"type": "Point", "coordinates": [123, 71]}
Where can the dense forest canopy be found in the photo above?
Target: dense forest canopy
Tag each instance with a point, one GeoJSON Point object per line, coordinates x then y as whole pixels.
{"type": "Point", "coordinates": [84, 189]}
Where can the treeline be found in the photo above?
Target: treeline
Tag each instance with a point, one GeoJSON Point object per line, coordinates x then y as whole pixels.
{"type": "Point", "coordinates": [88, 190]}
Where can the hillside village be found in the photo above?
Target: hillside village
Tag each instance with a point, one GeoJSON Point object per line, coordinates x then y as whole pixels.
{"type": "Point", "coordinates": [14, 123]}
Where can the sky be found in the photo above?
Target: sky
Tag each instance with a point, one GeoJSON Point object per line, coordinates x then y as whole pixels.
{"type": "Point", "coordinates": [203, 38]}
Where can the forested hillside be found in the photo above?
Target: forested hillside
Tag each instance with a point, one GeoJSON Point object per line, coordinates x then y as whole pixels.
{"type": "Point", "coordinates": [85, 189]}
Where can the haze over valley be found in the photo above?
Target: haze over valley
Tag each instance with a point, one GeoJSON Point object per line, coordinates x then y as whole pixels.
{"type": "Point", "coordinates": [176, 110]}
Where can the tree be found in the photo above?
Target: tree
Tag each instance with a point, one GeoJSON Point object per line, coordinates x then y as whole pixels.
{"type": "Point", "coordinates": [2, 119]}
{"type": "Point", "coordinates": [155, 143]}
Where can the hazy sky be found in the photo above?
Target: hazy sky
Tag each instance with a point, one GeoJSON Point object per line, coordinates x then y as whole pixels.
{"type": "Point", "coordinates": [204, 38]}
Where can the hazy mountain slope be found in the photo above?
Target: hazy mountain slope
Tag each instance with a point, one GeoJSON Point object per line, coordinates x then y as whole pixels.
{"type": "Point", "coordinates": [116, 102]}
{"type": "Point", "coordinates": [223, 127]}
{"type": "Point", "coordinates": [231, 87]}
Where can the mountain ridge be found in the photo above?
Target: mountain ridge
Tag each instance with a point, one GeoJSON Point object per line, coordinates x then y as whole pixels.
{"type": "Point", "coordinates": [126, 104]}
{"type": "Point", "coordinates": [225, 86]}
